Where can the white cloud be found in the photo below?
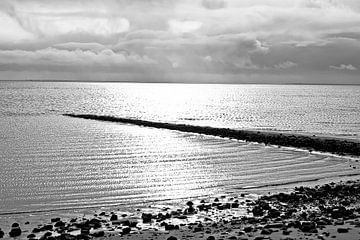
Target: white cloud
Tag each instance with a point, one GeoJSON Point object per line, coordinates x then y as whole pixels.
{"type": "Point", "coordinates": [181, 27]}
{"type": "Point", "coordinates": [344, 67]}
{"type": "Point", "coordinates": [285, 65]}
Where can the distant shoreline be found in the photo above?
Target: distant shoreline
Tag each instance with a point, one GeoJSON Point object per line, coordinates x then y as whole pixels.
{"type": "Point", "coordinates": [179, 82]}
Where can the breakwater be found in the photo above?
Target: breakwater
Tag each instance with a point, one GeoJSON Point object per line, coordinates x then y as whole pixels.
{"type": "Point", "coordinates": [313, 143]}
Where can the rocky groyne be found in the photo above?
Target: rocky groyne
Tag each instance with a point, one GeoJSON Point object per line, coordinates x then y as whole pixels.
{"type": "Point", "coordinates": [312, 143]}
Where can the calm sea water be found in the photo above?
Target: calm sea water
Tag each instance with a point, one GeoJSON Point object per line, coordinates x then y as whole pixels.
{"type": "Point", "coordinates": [48, 161]}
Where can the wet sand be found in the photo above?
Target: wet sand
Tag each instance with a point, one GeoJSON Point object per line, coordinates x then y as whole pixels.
{"type": "Point", "coordinates": [330, 211]}
{"type": "Point", "coordinates": [313, 143]}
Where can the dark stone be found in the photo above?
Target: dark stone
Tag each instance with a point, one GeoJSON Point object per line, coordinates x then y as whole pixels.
{"type": "Point", "coordinates": [146, 217]}
{"type": "Point", "coordinates": [169, 227]}
{"type": "Point", "coordinates": [235, 205]}
{"type": "Point", "coordinates": [48, 227]}
{"type": "Point", "coordinates": [15, 232]}
{"type": "Point", "coordinates": [85, 230]}
{"type": "Point", "coordinates": [55, 219]}
{"type": "Point", "coordinates": [126, 230]}
{"type": "Point", "coordinates": [98, 234]}
{"type": "Point", "coordinates": [113, 217]}
{"type": "Point", "coordinates": [257, 211]}
{"type": "Point", "coordinates": [248, 229]}
{"type": "Point", "coordinates": [36, 230]}
{"type": "Point", "coordinates": [15, 225]}
{"type": "Point", "coordinates": [342, 230]}
{"type": "Point", "coordinates": [198, 229]}
{"type": "Point", "coordinates": [171, 238]}
{"type": "Point", "coordinates": [266, 231]}
{"type": "Point", "coordinates": [309, 227]}
{"type": "Point", "coordinates": [31, 235]}
{"type": "Point", "coordinates": [1, 233]}
{"type": "Point", "coordinates": [95, 223]}
{"type": "Point", "coordinates": [211, 238]}
{"type": "Point", "coordinates": [273, 213]}
{"type": "Point", "coordinates": [59, 224]}
{"type": "Point", "coordinates": [66, 236]}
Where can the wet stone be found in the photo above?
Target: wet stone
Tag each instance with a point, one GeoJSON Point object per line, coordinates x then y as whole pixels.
{"type": "Point", "coordinates": [342, 230]}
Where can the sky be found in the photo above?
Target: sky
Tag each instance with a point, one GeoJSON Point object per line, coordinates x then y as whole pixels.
{"type": "Point", "coordinates": [197, 41]}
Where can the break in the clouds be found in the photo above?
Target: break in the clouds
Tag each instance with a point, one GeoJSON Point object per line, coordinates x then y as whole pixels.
{"type": "Point", "coordinates": [305, 41]}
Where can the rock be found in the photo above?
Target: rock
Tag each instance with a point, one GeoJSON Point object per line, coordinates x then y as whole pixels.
{"type": "Point", "coordinates": [113, 217]}
{"type": "Point", "coordinates": [273, 213]}
{"type": "Point", "coordinates": [198, 229]}
{"type": "Point", "coordinates": [53, 220]}
{"type": "Point", "coordinates": [15, 225]}
{"type": "Point", "coordinates": [46, 236]}
{"type": "Point", "coordinates": [126, 230]}
{"type": "Point", "coordinates": [308, 227]}
{"type": "Point", "coordinates": [257, 211]}
{"type": "Point", "coordinates": [85, 230]}
{"type": "Point", "coordinates": [235, 205]}
{"type": "Point", "coordinates": [171, 238]}
{"type": "Point", "coordinates": [15, 232]}
{"type": "Point", "coordinates": [211, 238]}
{"type": "Point", "coordinates": [48, 227]}
{"type": "Point", "coordinates": [146, 217]}
{"type": "Point", "coordinates": [98, 234]}
{"type": "Point", "coordinates": [232, 238]}
{"type": "Point", "coordinates": [31, 235]}
{"type": "Point", "coordinates": [342, 230]}
{"type": "Point", "coordinates": [95, 223]}
{"type": "Point", "coordinates": [248, 229]}
{"type": "Point", "coordinates": [59, 223]}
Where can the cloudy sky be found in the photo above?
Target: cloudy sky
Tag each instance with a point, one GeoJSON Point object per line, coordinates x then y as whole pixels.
{"type": "Point", "coordinates": [267, 41]}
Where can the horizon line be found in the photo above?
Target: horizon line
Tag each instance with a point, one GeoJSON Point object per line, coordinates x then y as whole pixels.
{"type": "Point", "coordinates": [175, 82]}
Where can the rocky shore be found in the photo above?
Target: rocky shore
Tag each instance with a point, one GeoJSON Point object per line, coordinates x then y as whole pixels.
{"type": "Point", "coordinates": [312, 143]}
{"type": "Point", "coordinates": [330, 211]}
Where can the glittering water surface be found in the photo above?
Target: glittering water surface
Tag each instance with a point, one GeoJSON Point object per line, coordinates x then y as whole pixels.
{"type": "Point", "coordinates": [48, 161]}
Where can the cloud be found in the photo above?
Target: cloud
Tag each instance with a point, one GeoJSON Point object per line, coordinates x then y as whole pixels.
{"type": "Point", "coordinates": [181, 27]}
{"type": "Point", "coordinates": [344, 67]}
{"type": "Point", "coordinates": [182, 37]}
{"type": "Point", "coordinates": [57, 59]}
{"type": "Point", "coordinates": [213, 4]}
{"type": "Point", "coordinates": [285, 65]}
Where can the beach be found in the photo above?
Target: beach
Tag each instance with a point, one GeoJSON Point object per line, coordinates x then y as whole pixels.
{"type": "Point", "coordinates": [321, 212]}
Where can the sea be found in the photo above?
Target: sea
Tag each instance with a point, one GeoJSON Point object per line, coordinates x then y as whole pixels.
{"type": "Point", "coordinates": [51, 162]}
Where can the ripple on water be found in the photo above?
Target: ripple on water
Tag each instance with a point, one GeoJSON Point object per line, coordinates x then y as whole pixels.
{"type": "Point", "coordinates": [54, 162]}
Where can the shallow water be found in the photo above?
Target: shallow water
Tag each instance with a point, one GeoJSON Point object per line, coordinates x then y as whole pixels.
{"type": "Point", "coordinates": [49, 161]}
{"type": "Point", "coordinates": [57, 162]}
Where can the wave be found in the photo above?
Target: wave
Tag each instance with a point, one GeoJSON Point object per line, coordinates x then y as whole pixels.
{"type": "Point", "coordinates": [312, 143]}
